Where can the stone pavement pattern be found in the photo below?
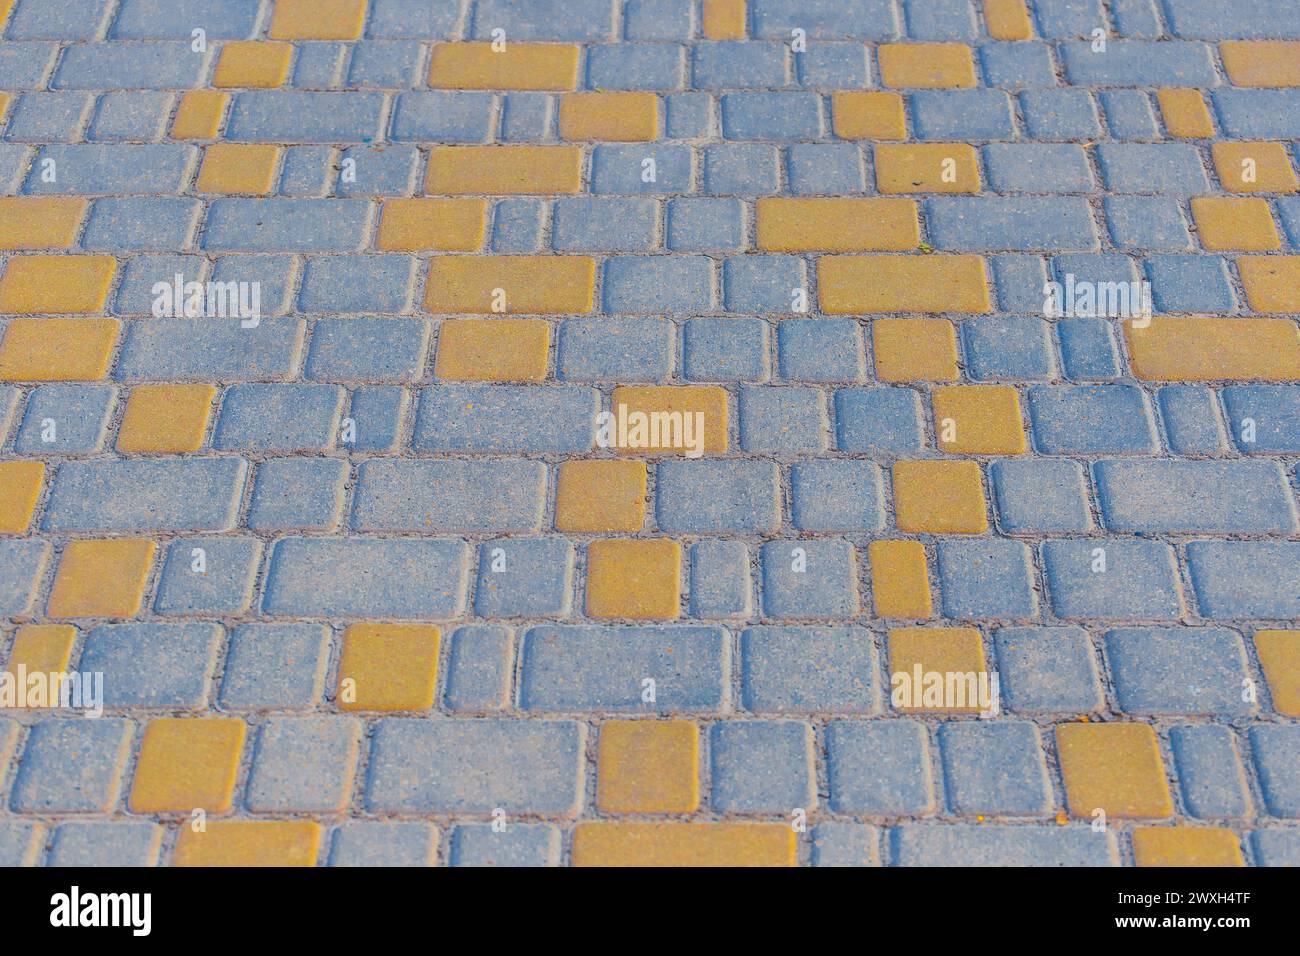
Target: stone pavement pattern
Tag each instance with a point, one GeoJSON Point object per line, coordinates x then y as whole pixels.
{"type": "Point", "coordinates": [365, 587]}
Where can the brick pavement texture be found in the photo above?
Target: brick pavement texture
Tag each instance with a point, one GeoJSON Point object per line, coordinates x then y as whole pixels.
{"type": "Point", "coordinates": [607, 432]}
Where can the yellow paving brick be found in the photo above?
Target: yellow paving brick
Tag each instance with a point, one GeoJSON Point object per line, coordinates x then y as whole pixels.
{"type": "Point", "coordinates": [1007, 20]}
{"type": "Point", "coordinates": [1194, 349]}
{"type": "Point", "coordinates": [900, 585]}
{"type": "Point", "coordinates": [1234, 224]}
{"type": "Point", "coordinates": [837, 225]}
{"type": "Point", "coordinates": [600, 495]}
{"type": "Point", "coordinates": [187, 763]}
{"type": "Point", "coordinates": [654, 419]}
{"type": "Point", "coordinates": [648, 766]}
{"type": "Point", "coordinates": [1113, 767]}
{"type": "Point", "coordinates": [42, 648]}
{"type": "Point", "coordinates": [893, 283]}
{"type": "Point", "coordinates": [612, 117]}
{"type": "Point", "coordinates": [317, 20]}
{"type": "Point", "coordinates": [978, 420]}
{"type": "Point", "coordinates": [437, 225]}
{"type": "Point", "coordinates": [927, 168]}
{"type": "Point", "coordinates": [1185, 113]}
{"type": "Point", "coordinates": [40, 222]}
{"type": "Point", "coordinates": [102, 578]}
{"type": "Point", "coordinates": [238, 168]}
{"type": "Point", "coordinates": [20, 487]}
{"type": "Point", "coordinates": [388, 667]}
{"type": "Point", "coordinates": [57, 350]}
{"type": "Point", "coordinates": [166, 418]}
{"type": "Point", "coordinates": [926, 65]}
{"type": "Point", "coordinates": [1266, 63]}
{"type": "Point", "coordinates": [199, 115]}
{"type": "Point", "coordinates": [518, 284]}
{"type": "Point", "coordinates": [914, 350]}
{"type": "Point", "coordinates": [1272, 282]}
{"type": "Point", "coordinates": [1255, 167]}
{"type": "Point", "coordinates": [493, 350]}
{"type": "Point", "coordinates": [519, 66]}
{"type": "Point", "coordinates": [504, 170]}
{"type": "Point", "coordinates": [862, 114]}
{"type": "Point", "coordinates": [250, 843]}
{"type": "Point", "coordinates": [254, 64]}
{"type": "Point", "coordinates": [35, 285]}
{"type": "Point", "coordinates": [938, 670]}
{"type": "Point", "coordinates": [724, 19]}
{"type": "Point", "coordinates": [1279, 657]}
{"type": "Point", "coordinates": [1186, 846]}
{"type": "Point", "coordinates": [633, 578]}
{"type": "Point", "coordinates": [684, 844]}
{"type": "Point", "coordinates": [944, 497]}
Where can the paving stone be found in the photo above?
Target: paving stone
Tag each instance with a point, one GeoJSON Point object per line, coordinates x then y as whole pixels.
{"type": "Point", "coordinates": [1155, 672]}
{"type": "Point", "coordinates": [685, 665]}
{"type": "Point", "coordinates": [102, 843]}
{"type": "Point", "coordinates": [523, 844]}
{"type": "Point", "coordinates": [994, 768]}
{"type": "Point", "coordinates": [762, 767]}
{"type": "Point", "coordinates": [801, 670]}
{"type": "Point", "coordinates": [1209, 767]}
{"type": "Point", "coordinates": [72, 765]}
{"type": "Point", "coordinates": [932, 844]}
{"type": "Point", "coordinates": [371, 419]}
{"type": "Point", "coordinates": [880, 767]}
{"type": "Point", "coordinates": [475, 766]}
{"type": "Point", "coordinates": [1047, 670]}
{"type": "Point", "coordinates": [845, 844]}
{"type": "Point", "coordinates": [376, 843]}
